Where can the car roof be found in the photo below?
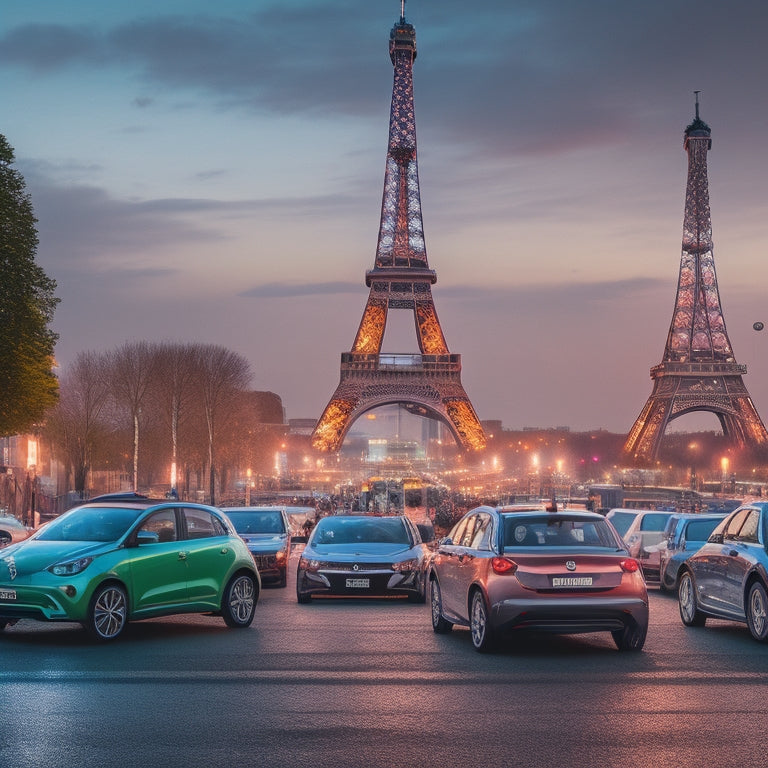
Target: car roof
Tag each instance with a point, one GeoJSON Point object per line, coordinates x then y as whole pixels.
{"type": "Point", "coordinates": [570, 513]}
{"type": "Point", "coordinates": [227, 510]}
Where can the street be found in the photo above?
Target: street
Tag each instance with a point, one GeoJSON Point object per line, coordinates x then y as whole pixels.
{"type": "Point", "coordinates": [354, 683]}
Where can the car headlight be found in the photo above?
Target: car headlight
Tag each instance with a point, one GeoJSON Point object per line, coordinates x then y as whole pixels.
{"type": "Point", "coordinates": [71, 567]}
{"type": "Point", "coordinates": [305, 564]}
{"type": "Point", "coordinates": [405, 566]}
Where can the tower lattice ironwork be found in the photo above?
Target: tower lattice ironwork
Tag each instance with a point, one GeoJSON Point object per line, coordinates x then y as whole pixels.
{"type": "Point", "coordinates": [698, 371]}
{"type": "Point", "coordinates": [428, 383]}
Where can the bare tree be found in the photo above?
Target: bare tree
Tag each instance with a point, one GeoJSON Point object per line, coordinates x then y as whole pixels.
{"type": "Point", "coordinates": [79, 422]}
{"type": "Point", "coordinates": [174, 392]}
{"type": "Point", "coordinates": [131, 370]}
{"type": "Point", "coordinates": [222, 375]}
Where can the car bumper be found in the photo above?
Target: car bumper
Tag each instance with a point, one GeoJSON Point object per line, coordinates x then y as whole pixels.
{"type": "Point", "coordinates": [569, 615]}
{"type": "Point", "coordinates": [357, 583]}
{"type": "Point", "coordinates": [43, 603]}
{"type": "Point", "coordinates": [269, 566]}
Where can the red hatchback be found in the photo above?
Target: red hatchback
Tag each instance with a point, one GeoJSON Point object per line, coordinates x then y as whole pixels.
{"type": "Point", "coordinates": [500, 571]}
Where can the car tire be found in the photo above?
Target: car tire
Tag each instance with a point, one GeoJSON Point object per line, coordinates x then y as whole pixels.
{"type": "Point", "coordinates": [239, 602]}
{"type": "Point", "coordinates": [479, 624]}
{"type": "Point", "coordinates": [439, 624]}
{"type": "Point", "coordinates": [107, 612]}
{"type": "Point", "coordinates": [631, 638]}
{"type": "Point", "coordinates": [283, 582]}
{"type": "Point", "coordinates": [686, 599]}
{"type": "Point", "coordinates": [302, 598]}
{"type": "Point", "coordinates": [757, 612]}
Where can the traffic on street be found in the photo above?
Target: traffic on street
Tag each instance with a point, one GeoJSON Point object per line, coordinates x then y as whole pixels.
{"type": "Point", "coordinates": [368, 682]}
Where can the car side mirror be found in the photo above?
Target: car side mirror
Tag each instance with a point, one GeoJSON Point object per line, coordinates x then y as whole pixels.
{"type": "Point", "coordinates": [716, 538]}
{"type": "Point", "coordinates": [146, 537]}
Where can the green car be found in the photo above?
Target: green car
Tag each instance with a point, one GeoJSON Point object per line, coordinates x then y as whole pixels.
{"type": "Point", "coordinates": [110, 562]}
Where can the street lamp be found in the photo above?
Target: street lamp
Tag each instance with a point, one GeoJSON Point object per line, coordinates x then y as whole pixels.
{"type": "Point", "coordinates": [248, 487]}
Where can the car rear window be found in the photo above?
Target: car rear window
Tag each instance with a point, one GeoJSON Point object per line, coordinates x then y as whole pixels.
{"type": "Point", "coordinates": [621, 521]}
{"type": "Point", "coordinates": [560, 531]}
{"type": "Point", "coordinates": [654, 522]}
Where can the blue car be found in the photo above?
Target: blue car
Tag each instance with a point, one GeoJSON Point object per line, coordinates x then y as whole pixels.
{"type": "Point", "coordinates": [728, 577]}
{"type": "Point", "coordinates": [685, 533]}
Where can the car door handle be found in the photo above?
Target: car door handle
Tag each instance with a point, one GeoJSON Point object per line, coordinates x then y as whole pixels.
{"type": "Point", "coordinates": [224, 550]}
{"type": "Point", "coordinates": [182, 555]}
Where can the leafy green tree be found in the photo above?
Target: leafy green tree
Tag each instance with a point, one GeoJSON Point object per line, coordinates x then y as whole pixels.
{"type": "Point", "coordinates": [28, 386]}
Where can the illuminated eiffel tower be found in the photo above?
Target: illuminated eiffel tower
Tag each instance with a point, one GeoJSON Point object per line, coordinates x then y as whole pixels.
{"type": "Point", "coordinates": [428, 383]}
{"type": "Point", "coordinates": [698, 371]}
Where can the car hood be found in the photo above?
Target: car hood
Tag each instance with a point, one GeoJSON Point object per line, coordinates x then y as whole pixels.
{"type": "Point", "coordinates": [360, 551]}
{"type": "Point", "coordinates": [31, 555]}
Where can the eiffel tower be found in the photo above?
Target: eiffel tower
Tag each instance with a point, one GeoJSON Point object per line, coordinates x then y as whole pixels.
{"type": "Point", "coordinates": [698, 371]}
{"type": "Point", "coordinates": [429, 383]}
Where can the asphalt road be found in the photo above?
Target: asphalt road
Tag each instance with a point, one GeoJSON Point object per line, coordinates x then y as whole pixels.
{"type": "Point", "coordinates": [354, 683]}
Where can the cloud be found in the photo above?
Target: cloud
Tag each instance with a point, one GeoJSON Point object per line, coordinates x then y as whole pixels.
{"type": "Point", "coordinates": [527, 76]}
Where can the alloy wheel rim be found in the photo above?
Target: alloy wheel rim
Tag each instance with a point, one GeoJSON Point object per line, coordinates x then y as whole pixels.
{"type": "Point", "coordinates": [435, 592]}
{"type": "Point", "coordinates": [109, 613]}
{"type": "Point", "coordinates": [241, 599]}
{"type": "Point", "coordinates": [478, 621]}
{"type": "Point", "coordinates": [686, 596]}
{"type": "Point", "coordinates": [758, 613]}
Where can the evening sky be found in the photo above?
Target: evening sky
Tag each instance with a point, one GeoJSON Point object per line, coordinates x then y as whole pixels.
{"type": "Point", "coordinates": [213, 172]}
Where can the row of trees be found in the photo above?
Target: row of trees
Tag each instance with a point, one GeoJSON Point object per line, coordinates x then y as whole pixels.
{"type": "Point", "coordinates": [160, 412]}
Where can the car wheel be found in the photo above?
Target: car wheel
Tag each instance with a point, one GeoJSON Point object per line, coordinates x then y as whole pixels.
{"type": "Point", "coordinates": [283, 582]}
{"type": "Point", "coordinates": [757, 612]}
{"type": "Point", "coordinates": [631, 638]}
{"type": "Point", "coordinates": [108, 612]}
{"type": "Point", "coordinates": [482, 633]}
{"type": "Point", "coordinates": [686, 598]}
{"type": "Point", "coordinates": [239, 603]}
{"type": "Point", "coordinates": [439, 624]}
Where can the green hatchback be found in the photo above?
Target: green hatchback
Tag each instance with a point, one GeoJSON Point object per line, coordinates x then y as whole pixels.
{"type": "Point", "coordinates": [110, 562]}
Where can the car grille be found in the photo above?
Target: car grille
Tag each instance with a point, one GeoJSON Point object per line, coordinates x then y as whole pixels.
{"type": "Point", "coordinates": [350, 567]}
{"type": "Point", "coordinates": [265, 561]}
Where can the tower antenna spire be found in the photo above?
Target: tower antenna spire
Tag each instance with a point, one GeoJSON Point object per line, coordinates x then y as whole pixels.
{"type": "Point", "coordinates": [402, 10]}
{"type": "Point", "coordinates": [697, 99]}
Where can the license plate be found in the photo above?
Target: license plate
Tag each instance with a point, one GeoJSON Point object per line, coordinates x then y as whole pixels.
{"type": "Point", "coordinates": [359, 583]}
{"type": "Point", "coordinates": [7, 594]}
{"type": "Point", "coordinates": [571, 581]}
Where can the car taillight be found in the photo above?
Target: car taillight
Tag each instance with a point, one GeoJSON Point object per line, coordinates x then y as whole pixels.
{"type": "Point", "coordinates": [502, 565]}
{"type": "Point", "coordinates": [630, 565]}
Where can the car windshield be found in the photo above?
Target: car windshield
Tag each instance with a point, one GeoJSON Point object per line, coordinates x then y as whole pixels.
{"type": "Point", "coordinates": [251, 521]}
{"type": "Point", "coordinates": [560, 531]}
{"type": "Point", "coordinates": [355, 530]}
{"type": "Point", "coordinates": [91, 524]}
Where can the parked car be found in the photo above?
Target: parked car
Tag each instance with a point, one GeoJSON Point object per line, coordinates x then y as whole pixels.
{"type": "Point", "coordinates": [502, 571]}
{"type": "Point", "coordinates": [363, 556]}
{"type": "Point", "coordinates": [266, 532]}
{"type": "Point", "coordinates": [727, 578]}
{"type": "Point", "coordinates": [684, 534]}
{"type": "Point", "coordinates": [13, 530]}
{"type": "Point", "coordinates": [107, 563]}
{"type": "Point", "coordinates": [643, 537]}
